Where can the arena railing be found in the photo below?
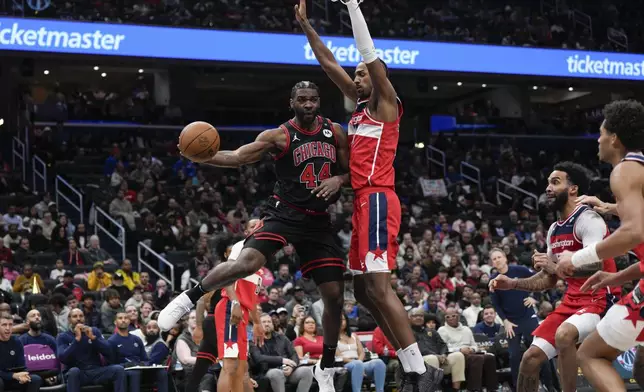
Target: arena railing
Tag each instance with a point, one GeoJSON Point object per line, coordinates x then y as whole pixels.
{"type": "Point", "coordinates": [502, 189]}
{"type": "Point", "coordinates": [38, 171]}
{"type": "Point", "coordinates": [476, 178]}
{"type": "Point", "coordinates": [437, 157]}
{"type": "Point", "coordinates": [61, 184]}
{"type": "Point", "coordinates": [19, 151]}
{"type": "Point", "coordinates": [142, 251]}
{"type": "Point", "coordinates": [99, 224]}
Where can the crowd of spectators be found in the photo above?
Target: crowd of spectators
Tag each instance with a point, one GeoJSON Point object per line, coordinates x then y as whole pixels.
{"type": "Point", "coordinates": [476, 21]}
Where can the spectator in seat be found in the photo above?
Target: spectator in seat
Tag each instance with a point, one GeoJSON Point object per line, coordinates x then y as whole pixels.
{"type": "Point", "coordinates": [431, 306]}
{"type": "Point", "coordinates": [273, 300]}
{"type": "Point", "coordinates": [12, 239]}
{"type": "Point", "coordinates": [58, 304]}
{"type": "Point", "coordinates": [80, 350]}
{"type": "Point", "coordinates": [488, 326]}
{"type": "Point", "coordinates": [156, 348]}
{"type": "Point", "coordinates": [129, 350]}
{"type": "Point", "coordinates": [161, 295]}
{"type": "Point", "coordinates": [13, 374]}
{"type": "Point", "coordinates": [11, 218]}
{"type": "Point", "coordinates": [278, 361]}
{"type": "Point", "coordinates": [186, 348]}
{"type": "Point", "coordinates": [59, 240]}
{"type": "Point", "coordinates": [68, 287]}
{"type": "Point", "coordinates": [130, 278]}
{"type": "Point", "coordinates": [308, 347]}
{"type": "Point", "coordinates": [299, 298]}
{"type": "Point", "coordinates": [146, 310]}
{"type": "Point", "coordinates": [353, 356]}
{"type": "Point", "coordinates": [95, 253]}
{"type": "Point", "coordinates": [23, 252]}
{"type": "Point", "coordinates": [36, 336]}
{"type": "Point", "coordinates": [122, 208]}
{"type": "Point", "coordinates": [119, 286]}
{"type": "Point", "coordinates": [98, 279]}
{"type": "Point", "coordinates": [441, 281]}
{"type": "Point", "coordinates": [136, 299]}
{"type": "Point", "coordinates": [110, 308]}
{"type": "Point", "coordinates": [5, 284]}
{"type": "Point", "coordinates": [64, 222]}
{"type": "Point", "coordinates": [433, 348]}
{"type": "Point", "coordinates": [72, 301]}
{"type": "Point", "coordinates": [480, 367]}
{"type": "Point", "coordinates": [283, 276]}
{"type": "Point", "coordinates": [6, 256]}
{"type": "Point", "coordinates": [92, 315]}
{"type": "Point", "coordinates": [24, 282]}
{"type": "Point", "coordinates": [145, 285]}
{"type": "Point", "coordinates": [73, 256]}
{"type": "Point", "coordinates": [48, 225]}
{"type": "Point", "coordinates": [58, 272]}
{"type": "Point", "coordinates": [471, 313]}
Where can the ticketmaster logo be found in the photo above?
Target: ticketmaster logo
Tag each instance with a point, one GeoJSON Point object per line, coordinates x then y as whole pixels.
{"type": "Point", "coordinates": [351, 54]}
{"type": "Point", "coordinates": [589, 66]}
{"type": "Point", "coordinates": [44, 38]}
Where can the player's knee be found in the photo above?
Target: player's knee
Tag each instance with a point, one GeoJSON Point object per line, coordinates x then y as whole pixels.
{"type": "Point", "coordinates": [231, 367]}
{"type": "Point", "coordinates": [376, 293]}
{"type": "Point", "coordinates": [532, 360]}
{"type": "Point", "coordinates": [566, 336]}
{"type": "Point", "coordinates": [332, 295]}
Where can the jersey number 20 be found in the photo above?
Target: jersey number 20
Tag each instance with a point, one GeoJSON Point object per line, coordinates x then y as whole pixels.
{"type": "Point", "coordinates": [310, 179]}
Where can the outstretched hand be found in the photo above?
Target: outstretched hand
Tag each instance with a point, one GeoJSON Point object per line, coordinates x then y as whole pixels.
{"type": "Point", "coordinates": [300, 12]}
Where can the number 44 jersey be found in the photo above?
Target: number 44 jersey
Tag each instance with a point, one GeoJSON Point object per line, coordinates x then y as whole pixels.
{"type": "Point", "coordinates": [309, 158]}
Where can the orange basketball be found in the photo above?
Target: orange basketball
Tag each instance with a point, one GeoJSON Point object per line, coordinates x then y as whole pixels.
{"type": "Point", "coordinates": [199, 141]}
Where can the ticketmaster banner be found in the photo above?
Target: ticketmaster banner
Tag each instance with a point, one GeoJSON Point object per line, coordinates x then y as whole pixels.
{"type": "Point", "coordinates": [39, 35]}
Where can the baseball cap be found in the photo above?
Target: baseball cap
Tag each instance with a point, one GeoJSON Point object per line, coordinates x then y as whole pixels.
{"type": "Point", "coordinates": [68, 274]}
{"type": "Point", "coordinates": [118, 275]}
{"type": "Point", "coordinates": [298, 288]}
{"type": "Point", "coordinates": [282, 310]}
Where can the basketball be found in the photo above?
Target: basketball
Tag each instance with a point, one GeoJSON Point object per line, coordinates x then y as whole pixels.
{"type": "Point", "coordinates": [199, 141]}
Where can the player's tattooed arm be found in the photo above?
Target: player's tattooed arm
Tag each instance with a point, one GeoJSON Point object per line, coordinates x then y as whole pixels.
{"type": "Point", "coordinates": [537, 282]}
{"type": "Point", "coordinates": [269, 141]}
{"type": "Point", "coordinates": [325, 57]}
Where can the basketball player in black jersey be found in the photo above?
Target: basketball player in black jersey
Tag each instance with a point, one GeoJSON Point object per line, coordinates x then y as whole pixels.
{"type": "Point", "coordinates": [311, 163]}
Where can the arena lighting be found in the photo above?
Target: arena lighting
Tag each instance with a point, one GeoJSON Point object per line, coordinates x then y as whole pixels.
{"type": "Point", "coordinates": [459, 84]}
{"type": "Point", "coordinates": [571, 88]}
{"type": "Point", "coordinates": [46, 72]}
{"type": "Point", "coordinates": [484, 85]}
{"type": "Point", "coordinates": [96, 68]}
{"type": "Point", "coordinates": [535, 87]}
{"type": "Point", "coordinates": [140, 70]}
{"type": "Point", "coordinates": [419, 145]}
{"type": "Point", "coordinates": [103, 75]}
{"type": "Point", "coordinates": [1, 122]}
{"type": "Point", "coordinates": [435, 88]}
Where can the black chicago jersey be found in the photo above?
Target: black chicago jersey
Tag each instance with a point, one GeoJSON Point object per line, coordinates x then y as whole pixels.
{"type": "Point", "coordinates": [309, 158]}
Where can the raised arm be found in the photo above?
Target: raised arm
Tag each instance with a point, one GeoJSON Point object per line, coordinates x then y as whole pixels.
{"type": "Point", "coordinates": [538, 282]}
{"type": "Point", "coordinates": [324, 55]}
{"type": "Point", "coordinates": [383, 102]}
{"type": "Point", "coordinates": [626, 182]}
{"type": "Point", "coordinates": [269, 141]}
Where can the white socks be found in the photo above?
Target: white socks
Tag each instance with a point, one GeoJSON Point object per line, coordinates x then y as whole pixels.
{"type": "Point", "coordinates": [403, 361]}
{"type": "Point", "coordinates": [414, 359]}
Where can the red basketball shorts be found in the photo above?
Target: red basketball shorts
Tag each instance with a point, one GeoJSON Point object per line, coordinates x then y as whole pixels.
{"type": "Point", "coordinates": [232, 340]}
{"type": "Point", "coordinates": [376, 222]}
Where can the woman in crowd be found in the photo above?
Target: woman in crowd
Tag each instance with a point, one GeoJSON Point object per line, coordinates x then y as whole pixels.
{"type": "Point", "coordinates": [353, 355]}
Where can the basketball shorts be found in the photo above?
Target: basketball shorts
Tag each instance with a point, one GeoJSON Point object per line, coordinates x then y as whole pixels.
{"type": "Point", "coordinates": [623, 326]}
{"type": "Point", "coordinates": [584, 317]}
{"type": "Point", "coordinates": [208, 345]}
{"type": "Point", "coordinates": [232, 340]}
{"type": "Point", "coordinates": [311, 234]}
{"type": "Point", "coordinates": [376, 222]}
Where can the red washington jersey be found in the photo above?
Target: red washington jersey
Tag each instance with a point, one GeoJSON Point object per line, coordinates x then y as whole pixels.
{"type": "Point", "coordinates": [639, 249]}
{"type": "Point", "coordinates": [372, 147]}
{"type": "Point", "coordinates": [583, 227]}
{"type": "Point", "coordinates": [247, 289]}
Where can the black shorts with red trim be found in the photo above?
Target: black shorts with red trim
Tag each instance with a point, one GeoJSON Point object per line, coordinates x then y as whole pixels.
{"type": "Point", "coordinates": [208, 345]}
{"type": "Point", "coordinates": [321, 257]}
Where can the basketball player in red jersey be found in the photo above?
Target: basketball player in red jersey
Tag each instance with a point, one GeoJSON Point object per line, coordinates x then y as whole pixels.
{"type": "Point", "coordinates": [307, 149]}
{"type": "Point", "coordinates": [237, 306]}
{"type": "Point", "coordinates": [580, 312]}
{"type": "Point", "coordinates": [621, 141]}
{"type": "Point", "coordinates": [373, 138]}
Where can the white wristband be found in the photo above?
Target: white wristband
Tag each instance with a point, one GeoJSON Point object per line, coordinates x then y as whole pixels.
{"type": "Point", "coordinates": [586, 256]}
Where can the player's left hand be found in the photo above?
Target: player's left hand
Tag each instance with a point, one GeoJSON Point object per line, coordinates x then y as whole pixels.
{"type": "Point", "coordinates": [254, 384]}
{"type": "Point", "coordinates": [564, 265]}
{"type": "Point", "coordinates": [258, 335]}
{"type": "Point", "coordinates": [328, 187]}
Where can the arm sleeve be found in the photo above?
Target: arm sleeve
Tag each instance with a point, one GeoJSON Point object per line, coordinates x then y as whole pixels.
{"type": "Point", "coordinates": [590, 228]}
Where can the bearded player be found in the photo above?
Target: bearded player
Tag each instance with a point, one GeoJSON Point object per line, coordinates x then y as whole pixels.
{"type": "Point", "coordinates": [580, 312]}
{"type": "Point", "coordinates": [308, 149]}
{"type": "Point", "coordinates": [373, 137]}
{"type": "Point", "coordinates": [621, 141]}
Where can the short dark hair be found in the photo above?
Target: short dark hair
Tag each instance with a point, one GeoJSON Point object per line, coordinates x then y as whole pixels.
{"type": "Point", "coordinates": [86, 296]}
{"type": "Point", "coordinates": [489, 307]}
{"type": "Point", "coordinates": [111, 294]}
{"type": "Point", "coordinates": [58, 299]}
{"type": "Point", "coordinates": [626, 120]}
{"type": "Point", "coordinates": [302, 85]}
{"type": "Point", "coordinates": [577, 175]}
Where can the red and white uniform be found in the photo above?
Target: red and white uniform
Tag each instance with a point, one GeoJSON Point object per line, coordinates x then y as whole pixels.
{"type": "Point", "coordinates": [232, 340]}
{"type": "Point", "coordinates": [623, 326]}
{"type": "Point", "coordinates": [583, 227]}
{"type": "Point", "coordinates": [376, 207]}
